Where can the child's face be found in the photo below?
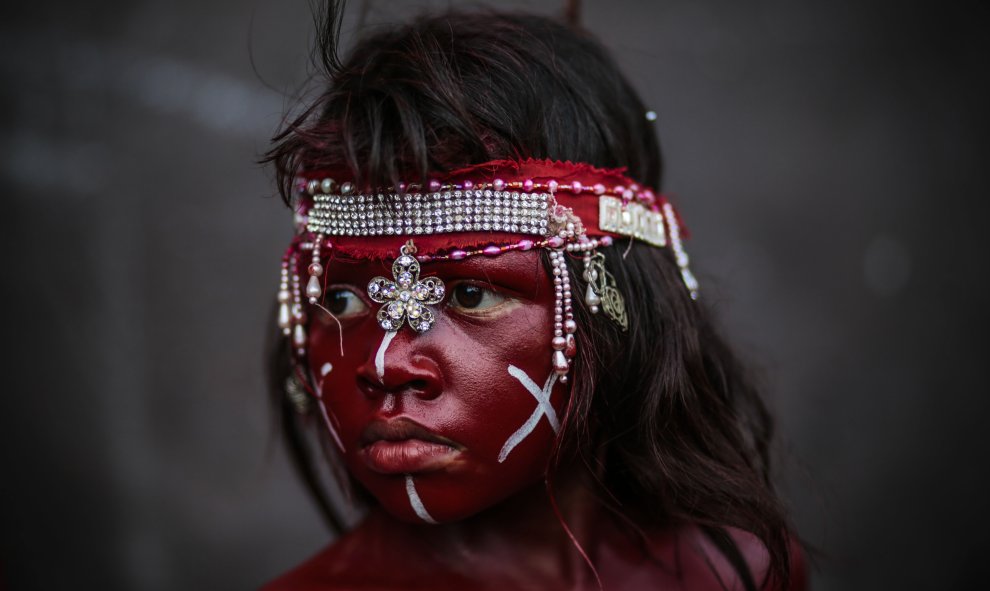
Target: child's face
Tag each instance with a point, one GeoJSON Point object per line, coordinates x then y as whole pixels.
{"type": "Point", "coordinates": [442, 424]}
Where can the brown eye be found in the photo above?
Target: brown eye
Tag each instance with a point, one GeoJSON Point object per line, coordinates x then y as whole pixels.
{"type": "Point", "coordinates": [344, 303]}
{"type": "Point", "coordinates": [467, 296]}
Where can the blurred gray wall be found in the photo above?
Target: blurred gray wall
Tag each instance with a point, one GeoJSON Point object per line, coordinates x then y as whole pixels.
{"type": "Point", "coordinates": [828, 156]}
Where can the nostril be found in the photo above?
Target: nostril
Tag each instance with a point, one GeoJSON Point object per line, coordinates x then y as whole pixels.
{"type": "Point", "coordinates": [369, 387]}
{"type": "Point", "coordinates": [418, 385]}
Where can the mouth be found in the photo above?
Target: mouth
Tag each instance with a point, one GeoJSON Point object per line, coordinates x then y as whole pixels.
{"type": "Point", "coordinates": [403, 446]}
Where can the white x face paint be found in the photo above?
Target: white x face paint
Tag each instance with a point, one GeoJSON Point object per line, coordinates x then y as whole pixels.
{"type": "Point", "coordinates": [543, 408]}
{"type": "Point", "coordinates": [416, 502]}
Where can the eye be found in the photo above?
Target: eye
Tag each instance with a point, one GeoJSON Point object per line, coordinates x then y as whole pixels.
{"type": "Point", "coordinates": [468, 296]}
{"type": "Point", "coordinates": [344, 303]}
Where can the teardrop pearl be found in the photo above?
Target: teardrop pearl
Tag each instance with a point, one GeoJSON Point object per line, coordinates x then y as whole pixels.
{"type": "Point", "coordinates": [299, 336]}
{"type": "Point", "coordinates": [559, 362]}
{"type": "Point", "coordinates": [313, 289]}
{"type": "Point", "coordinates": [283, 317]}
{"type": "Point", "coordinates": [591, 298]}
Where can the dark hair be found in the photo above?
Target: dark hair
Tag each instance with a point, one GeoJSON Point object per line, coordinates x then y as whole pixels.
{"type": "Point", "coordinates": [666, 413]}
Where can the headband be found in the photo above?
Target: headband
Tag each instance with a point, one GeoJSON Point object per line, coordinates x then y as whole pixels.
{"type": "Point", "coordinates": [569, 209]}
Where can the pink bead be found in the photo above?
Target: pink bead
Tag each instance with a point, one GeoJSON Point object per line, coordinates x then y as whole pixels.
{"type": "Point", "coordinates": [618, 190]}
{"type": "Point", "coordinates": [434, 186]}
{"type": "Point", "coordinates": [458, 255]}
{"type": "Point", "coordinates": [492, 250]}
{"type": "Point", "coordinates": [555, 242]}
{"type": "Point", "coordinates": [571, 347]}
{"type": "Point", "coordinates": [552, 185]}
{"type": "Point", "coordinates": [402, 187]}
{"type": "Point", "coordinates": [528, 185]}
{"type": "Point", "coordinates": [499, 184]}
{"type": "Point", "coordinates": [649, 196]}
{"type": "Point", "coordinates": [468, 185]}
{"type": "Point", "coordinates": [599, 188]}
{"type": "Point", "coordinates": [576, 187]}
{"type": "Point", "coordinates": [606, 241]}
{"type": "Point", "coordinates": [634, 187]}
{"type": "Point", "coordinates": [628, 195]}
{"type": "Point", "coordinates": [525, 244]}
{"type": "Point", "coordinates": [424, 258]}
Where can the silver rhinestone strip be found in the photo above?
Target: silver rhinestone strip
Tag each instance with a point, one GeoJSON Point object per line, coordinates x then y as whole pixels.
{"type": "Point", "coordinates": [430, 213]}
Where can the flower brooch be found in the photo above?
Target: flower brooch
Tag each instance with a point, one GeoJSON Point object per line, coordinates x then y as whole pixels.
{"type": "Point", "coordinates": [406, 298]}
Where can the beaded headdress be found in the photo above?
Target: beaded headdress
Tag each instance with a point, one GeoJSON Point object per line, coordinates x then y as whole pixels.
{"type": "Point", "coordinates": [569, 209]}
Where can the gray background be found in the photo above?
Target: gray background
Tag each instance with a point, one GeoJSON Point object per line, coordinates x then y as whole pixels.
{"type": "Point", "coordinates": [825, 154]}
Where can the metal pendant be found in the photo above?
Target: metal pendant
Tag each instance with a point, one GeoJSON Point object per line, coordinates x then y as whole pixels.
{"type": "Point", "coordinates": [602, 291]}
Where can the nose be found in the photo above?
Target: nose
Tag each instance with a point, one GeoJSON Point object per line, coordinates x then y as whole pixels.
{"type": "Point", "coordinates": [401, 364]}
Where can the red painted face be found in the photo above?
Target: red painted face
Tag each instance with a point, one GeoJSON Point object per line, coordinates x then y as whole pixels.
{"type": "Point", "coordinates": [425, 420]}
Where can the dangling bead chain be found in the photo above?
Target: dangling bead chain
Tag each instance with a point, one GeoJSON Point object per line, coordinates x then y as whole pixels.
{"type": "Point", "coordinates": [284, 297]}
{"type": "Point", "coordinates": [679, 254]}
{"type": "Point", "coordinates": [313, 288]}
{"type": "Point", "coordinates": [563, 346]}
{"type": "Point", "coordinates": [298, 313]}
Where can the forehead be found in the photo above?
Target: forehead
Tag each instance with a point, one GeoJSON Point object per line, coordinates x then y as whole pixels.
{"type": "Point", "coordinates": [520, 272]}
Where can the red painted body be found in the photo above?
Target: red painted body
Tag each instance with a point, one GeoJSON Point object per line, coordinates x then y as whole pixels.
{"type": "Point", "coordinates": [442, 413]}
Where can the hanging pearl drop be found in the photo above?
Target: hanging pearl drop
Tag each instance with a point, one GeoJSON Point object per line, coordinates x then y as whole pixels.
{"type": "Point", "coordinates": [559, 363]}
{"type": "Point", "coordinates": [313, 289]}
{"type": "Point", "coordinates": [284, 319]}
{"type": "Point", "coordinates": [299, 336]}
{"type": "Point", "coordinates": [591, 298]}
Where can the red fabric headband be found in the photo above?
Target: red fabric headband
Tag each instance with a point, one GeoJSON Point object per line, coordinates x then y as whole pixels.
{"type": "Point", "coordinates": [576, 186]}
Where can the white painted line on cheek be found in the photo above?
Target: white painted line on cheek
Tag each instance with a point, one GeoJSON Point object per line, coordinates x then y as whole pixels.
{"type": "Point", "coordinates": [543, 407]}
{"type": "Point", "coordinates": [416, 503]}
{"type": "Point", "coordinates": [333, 432]}
{"type": "Point", "coordinates": [380, 356]}
{"type": "Point", "coordinates": [324, 370]}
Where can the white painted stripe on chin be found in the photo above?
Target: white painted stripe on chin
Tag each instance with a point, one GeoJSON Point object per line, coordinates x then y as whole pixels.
{"type": "Point", "coordinates": [414, 500]}
{"type": "Point", "coordinates": [380, 356]}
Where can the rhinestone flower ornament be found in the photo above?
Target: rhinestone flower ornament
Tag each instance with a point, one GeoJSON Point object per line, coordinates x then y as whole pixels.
{"type": "Point", "coordinates": [406, 298]}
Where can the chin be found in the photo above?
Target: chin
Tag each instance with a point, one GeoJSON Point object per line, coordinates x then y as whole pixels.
{"type": "Point", "coordinates": [437, 500]}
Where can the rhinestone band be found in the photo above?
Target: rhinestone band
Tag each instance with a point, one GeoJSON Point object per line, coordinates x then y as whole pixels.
{"type": "Point", "coordinates": [430, 213]}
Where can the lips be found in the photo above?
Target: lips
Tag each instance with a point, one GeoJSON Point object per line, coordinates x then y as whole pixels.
{"type": "Point", "coordinates": [402, 446]}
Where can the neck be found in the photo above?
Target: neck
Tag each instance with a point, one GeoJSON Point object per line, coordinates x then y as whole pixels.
{"type": "Point", "coordinates": [523, 531]}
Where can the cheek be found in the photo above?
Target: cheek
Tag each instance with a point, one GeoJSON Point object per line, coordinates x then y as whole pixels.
{"type": "Point", "coordinates": [334, 376]}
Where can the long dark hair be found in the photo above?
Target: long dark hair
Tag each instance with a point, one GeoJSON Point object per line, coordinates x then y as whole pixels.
{"type": "Point", "coordinates": [668, 417]}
